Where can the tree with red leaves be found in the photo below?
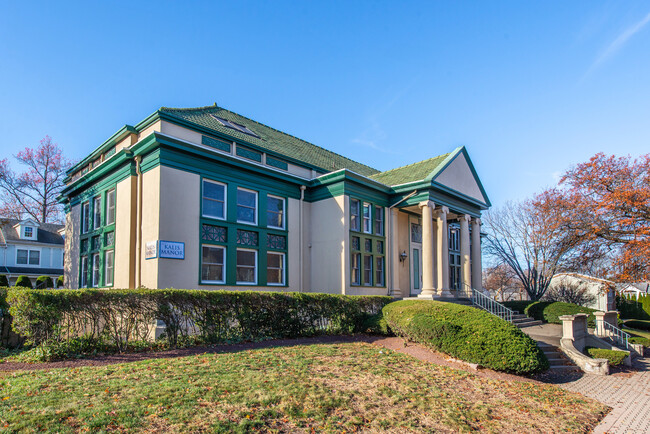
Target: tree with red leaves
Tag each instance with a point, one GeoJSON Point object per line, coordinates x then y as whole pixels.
{"type": "Point", "coordinates": [605, 204]}
{"type": "Point", "coordinates": [33, 193]}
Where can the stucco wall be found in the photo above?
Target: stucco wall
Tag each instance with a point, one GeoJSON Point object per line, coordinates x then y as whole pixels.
{"type": "Point", "coordinates": [125, 217]}
{"type": "Point", "coordinates": [150, 224]}
{"type": "Point", "coordinates": [403, 244]}
{"type": "Point", "coordinates": [458, 176]}
{"type": "Point", "coordinates": [72, 232]}
{"type": "Point", "coordinates": [329, 239]}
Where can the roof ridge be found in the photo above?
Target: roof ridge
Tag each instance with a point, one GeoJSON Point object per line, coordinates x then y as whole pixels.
{"type": "Point", "coordinates": [215, 106]}
{"type": "Point", "coordinates": [412, 164]}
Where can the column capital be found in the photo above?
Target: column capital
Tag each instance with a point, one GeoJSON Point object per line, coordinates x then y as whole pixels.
{"type": "Point", "coordinates": [476, 221]}
{"type": "Point", "coordinates": [428, 203]}
{"type": "Point", "coordinates": [465, 217]}
{"type": "Point", "coordinates": [442, 210]}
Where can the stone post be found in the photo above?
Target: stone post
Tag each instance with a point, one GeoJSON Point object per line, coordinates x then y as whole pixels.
{"type": "Point", "coordinates": [574, 327]}
{"type": "Point", "coordinates": [442, 252]}
{"type": "Point", "coordinates": [477, 265]}
{"type": "Point", "coordinates": [428, 291]}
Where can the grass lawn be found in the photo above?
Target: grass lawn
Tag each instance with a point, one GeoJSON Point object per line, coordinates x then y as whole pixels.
{"type": "Point", "coordinates": [334, 387]}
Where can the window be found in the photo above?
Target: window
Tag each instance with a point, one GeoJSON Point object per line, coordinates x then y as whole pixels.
{"type": "Point", "coordinates": [356, 243]}
{"type": "Point", "coordinates": [213, 268]}
{"type": "Point", "coordinates": [85, 217]}
{"type": "Point", "coordinates": [379, 220]}
{"type": "Point", "coordinates": [84, 272]}
{"type": "Point", "coordinates": [97, 212]}
{"type": "Point", "coordinates": [356, 272]}
{"type": "Point", "coordinates": [109, 263]}
{"type": "Point", "coordinates": [416, 233]}
{"type": "Point", "coordinates": [29, 232]}
{"type": "Point", "coordinates": [246, 266]}
{"type": "Point", "coordinates": [354, 215]}
{"type": "Point", "coordinates": [380, 247]}
{"type": "Point", "coordinates": [454, 238]}
{"type": "Point", "coordinates": [275, 212]}
{"type": "Point", "coordinates": [367, 270]}
{"type": "Point", "coordinates": [368, 245]}
{"type": "Point", "coordinates": [366, 218]}
{"type": "Point", "coordinates": [110, 207]}
{"type": "Point", "coordinates": [28, 257]}
{"type": "Point", "coordinates": [379, 271]}
{"type": "Point", "coordinates": [246, 206]}
{"type": "Point", "coordinates": [275, 268]}
{"type": "Point", "coordinates": [235, 126]}
{"type": "Point", "coordinates": [214, 199]}
{"type": "Point", "coordinates": [95, 270]}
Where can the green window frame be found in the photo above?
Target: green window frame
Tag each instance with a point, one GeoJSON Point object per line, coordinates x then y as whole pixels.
{"type": "Point", "coordinates": [97, 241]}
{"type": "Point", "coordinates": [367, 243]}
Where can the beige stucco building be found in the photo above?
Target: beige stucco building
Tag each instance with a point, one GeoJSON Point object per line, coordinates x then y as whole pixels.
{"type": "Point", "coordinates": [205, 198]}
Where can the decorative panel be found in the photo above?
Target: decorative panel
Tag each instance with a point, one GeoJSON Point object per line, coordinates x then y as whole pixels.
{"type": "Point", "coordinates": [249, 153]}
{"type": "Point", "coordinates": [214, 233]}
{"type": "Point", "coordinates": [247, 238]}
{"type": "Point", "coordinates": [276, 242]}
{"type": "Point", "coordinates": [356, 243]}
{"type": "Point", "coordinates": [110, 239]}
{"type": "Point", "coordinates": [276, 163]}
{"type": "Point", "coordinates": [214, 143]}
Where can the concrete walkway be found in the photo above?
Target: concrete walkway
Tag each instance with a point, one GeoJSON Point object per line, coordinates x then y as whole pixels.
{"type": "Point", "coordinates": [628, 393]}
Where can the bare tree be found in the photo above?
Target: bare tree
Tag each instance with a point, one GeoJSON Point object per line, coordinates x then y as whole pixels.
{"type": "Point", "coordinates": [33, 193]}
{"type": "Point", "coordinates": [570, 292]}
{"type": "Point", "coordinates": [529, 242]}
{"type": "Point", "coordinates": [501, 282]}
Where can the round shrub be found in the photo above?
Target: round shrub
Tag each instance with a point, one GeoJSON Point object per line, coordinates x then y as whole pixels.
{"type": "Point", "coordinates": [44, 282]}
{"type": "Point", "coordinates": [638, 324]}
{"type": "Point", "coordinates": [551, 311]}
{"type": "Point", "coordinates": [518, 305]}
{"type": "Point", "coordinates": [639, 340]}
{"type": "Point", "coordinates": [466, 333]}
{"type": "Point", "coordinates": [615, 357]}
{"type": "Point", "coordinates": [59, 282]}
{"type": "Point", "coordinates": [3, 280]}
{"type": "Point", "coordinates": [23, 281]}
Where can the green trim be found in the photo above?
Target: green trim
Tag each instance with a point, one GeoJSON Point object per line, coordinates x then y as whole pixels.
{"type": "Point", "coordinates": [363, 237]}
{"type": "Point", "coordinates": [111, 141]}
{"type": "Point", "coordinates": [274, 162]}
{"type": "Point", "coordinates": [217, 144]}
{"type": "Point", "coordinates": [249, 153]}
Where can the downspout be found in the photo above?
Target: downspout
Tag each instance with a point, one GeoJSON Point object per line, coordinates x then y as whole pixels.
{"type": "Point", "coordinates": [138, 231]}
{"type": "Point", "coordinates": [389, 246]}
{"type": "Point", "coordinates": [300, 237]}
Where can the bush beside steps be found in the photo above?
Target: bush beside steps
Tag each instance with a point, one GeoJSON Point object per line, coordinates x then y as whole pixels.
{"type": "Point", "coordinates": [466, 333]}
{"type": "Point", "coordinates": [614, 357]}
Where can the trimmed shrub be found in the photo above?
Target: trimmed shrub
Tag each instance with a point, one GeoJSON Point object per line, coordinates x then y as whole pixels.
{"type": "Point", "coordinates": [634, 308]}
{"type": "Point", "coordinates": [518, 305]}
{"type": "Point", "coordinates": [3, 280]}
{"type": "Point", "coordinates": [551, 311]}
{"type": "Point", "coordinates": [59, 282]}
{"type": "Point", "coordinates": [44, 282]}
{"type": "Point", "coordinates": [122, 320]}
{"type": "Point", "coordinates": [466, 333]}
{"type": "Point", "coordinates": [640, 340]}
{"type": "Point", "coordinates": [24, 282]}
{"type": "Point", "coordinates": [615, 357]}
{"type": "Point", "coordinates": [638, 324]}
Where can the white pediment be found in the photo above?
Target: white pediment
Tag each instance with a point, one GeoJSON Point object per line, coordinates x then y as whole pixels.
{"type": "Point", "coordinates": [459, 176]}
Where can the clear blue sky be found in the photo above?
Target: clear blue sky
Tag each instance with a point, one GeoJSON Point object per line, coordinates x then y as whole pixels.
{"type": "Point", "coordinates": [530, 88]}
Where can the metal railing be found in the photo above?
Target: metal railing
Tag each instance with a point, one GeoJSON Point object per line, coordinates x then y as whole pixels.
{"type": "Point", "coordinates": [617, 335]}
{"type": "Point", "coordinates": [490, 305]}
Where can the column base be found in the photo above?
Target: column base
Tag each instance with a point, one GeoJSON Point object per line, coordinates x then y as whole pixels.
{"type": "Point", "coordinates": [444, 293]}
{"type": "Point", "coordinates": [427, 294]}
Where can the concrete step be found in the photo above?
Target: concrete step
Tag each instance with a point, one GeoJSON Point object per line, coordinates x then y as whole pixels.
{"type": "Point", "coordinates": [564, 368]}
{"type": "Point", "coordinates": [530, 323]}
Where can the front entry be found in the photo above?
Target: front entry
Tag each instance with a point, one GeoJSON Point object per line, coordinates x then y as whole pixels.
{"type": "Point", "coordinates": [416, 270]}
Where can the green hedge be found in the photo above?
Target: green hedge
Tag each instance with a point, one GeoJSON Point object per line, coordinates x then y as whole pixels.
{"type": "Point", "coordinates": [518, 305]}
{"type": "Point", "coordinates": [3, 281]}
{"type": "Point", "coordinates": [551, 311]}
{"type": "Point", "coordinates": [466, 333]}
{"type": "Point", "coordinates": [24, 282]}
{"type": "Point", "coordinates": [633, 308]}
{"type": "Point", "coordinates": [615, 357]}
{"type": "Point", "coordinates": [638, 324]}
{"type": "Point", "coordinates": [59, 282]}
{"type": "Point", "coordinates": [122, 319]}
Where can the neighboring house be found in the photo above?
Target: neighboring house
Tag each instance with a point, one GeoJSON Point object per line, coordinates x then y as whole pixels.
{"type": "Point", "coordinates": [603, 292]}
{"type": "Point", "coordinates": [30, 248]}
{"type": "Point", "coordinates": [633, 289]}
{"type": "Point", "coordinates": [206, 198]}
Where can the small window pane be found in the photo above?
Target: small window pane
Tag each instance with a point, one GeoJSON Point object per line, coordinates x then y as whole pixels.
{"type": "Point", "coordinates": [416, 233]}
{"type": "Point", "coordinates": [356, 243]}
{"type": "Point", "coordinates": [109, 260]}
{"type": "Point", "coordinates": [110, 207]}
{"type": "Point", "coordinates": [367, 270]}
{"type": "Point", "coordinates": [366, 218]}
{"type": "Point", "coordinates": [379, 220]}
{"type": "Point", "coordinates": [354, 215]}
{"type": "Point", "coordinates": [97, 212]}
{"type": "Point", "coordinates": [275, 212]}
{"type": "Point", "coordinates": [368, 245]}
{"type": "Point", "coordinates": [275, 269]}
{"type": "Point", "coordinates": [214, 200]}
{"type": "Point", "coordinates": [34, 257]}
{"type": "Point", "coordinates": [212, 264]}
{"type": "Point", "coordinates": [246, 206]}
{"type": "Point", "coordinates": [246, 266]}
{"type": "Point", "coordinates": [21, 256]}
{"type": "Point", "coordinates": [85, 217]}
{"type": "Point", "coordinates": [379, 271]}
{"type": "Point", "coordinates": [380, 247]}
{"type": "Point", "coordinates": [28, 232]}
{"type": "Point", "coordinates": [356, 275]}
{"type": "Point", "coordinates": [96, 270]}
{"type": "Point", "coordinates": [84, 272]}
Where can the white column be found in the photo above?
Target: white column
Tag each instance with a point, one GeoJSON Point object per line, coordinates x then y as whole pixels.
{"type": "Point", "coordinates": [442, 252]}
{"type": "Point", "coordinates": [465, 271]}
{"type": "Point", "coordinates": [428, 290]}
{"type": "Point", "coordinates": [477, 265]}
{"type": "Point", "coordinates": [394, 253]}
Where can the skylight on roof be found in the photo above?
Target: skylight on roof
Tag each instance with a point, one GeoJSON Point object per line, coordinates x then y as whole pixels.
{"type": "Point", "coordinates": [235, 126]}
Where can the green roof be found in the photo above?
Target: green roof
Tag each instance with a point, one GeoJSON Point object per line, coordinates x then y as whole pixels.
{"type": "Point", "coordinates": [268, 139]}
{"type": "Point", "coordinates": [413, 172]}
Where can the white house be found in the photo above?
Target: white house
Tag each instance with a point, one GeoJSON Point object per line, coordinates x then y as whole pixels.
{"type": "Point", "coordinates": [602, 290]}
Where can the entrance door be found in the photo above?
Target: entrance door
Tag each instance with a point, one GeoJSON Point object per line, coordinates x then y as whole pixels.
{"type": "Point", "coordinates": [416, 271]}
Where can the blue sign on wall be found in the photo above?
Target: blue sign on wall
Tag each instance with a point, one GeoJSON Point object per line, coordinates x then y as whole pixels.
{"type": "Point", "coordinates": [171, 250]}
